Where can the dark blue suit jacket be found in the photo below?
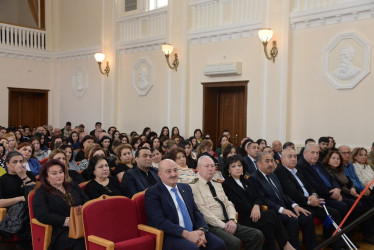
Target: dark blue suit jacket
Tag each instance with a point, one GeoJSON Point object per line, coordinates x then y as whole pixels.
{"type": "Point", "coordinates": [162, 213]}
{"type": "Point", "coordinates": [250, 166]}
{"type": "Point", "coordinates": [267, 194]}
{"type": "Point", "coordinates": [277, 158]}
{"type": "Point", "coordinates": [133, 181]}
{"type": "Point", "coordinates": [315, 180]}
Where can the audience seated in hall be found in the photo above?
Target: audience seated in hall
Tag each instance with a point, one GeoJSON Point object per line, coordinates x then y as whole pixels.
{"type": "Point", "coordinates": [340, 178]}
{"type": "Point", "coordinates": [292, 214]}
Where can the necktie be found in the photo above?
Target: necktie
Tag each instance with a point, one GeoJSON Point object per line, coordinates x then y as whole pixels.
{"type": "Point", "coordinates": [183, 208]}
{"type": "Point", "coordinates": [275, 189]}
{"type": "Point", "coordinates": [323, 178]}
{"type": "Point", "coordinates": [213, 191]}
{"type": "Point", "coordinates": [255, 162]}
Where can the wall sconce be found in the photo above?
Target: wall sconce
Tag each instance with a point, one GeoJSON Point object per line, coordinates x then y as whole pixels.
{"type": "Point", "coordinates": [99, 57]}
{"type": "Point", "coordinates": [167, 49]}
{"type": "Point", "coordinates": [265, 35]}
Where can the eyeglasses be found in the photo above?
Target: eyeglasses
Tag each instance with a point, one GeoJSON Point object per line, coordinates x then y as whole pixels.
{"type": "Point", "coordinates": [345, 153]}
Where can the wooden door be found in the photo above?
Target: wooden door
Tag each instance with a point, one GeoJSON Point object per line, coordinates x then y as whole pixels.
{"type": "Point", "coordinates": [27, 107]}
{"type": "Point", "coordinates": [225, 107]}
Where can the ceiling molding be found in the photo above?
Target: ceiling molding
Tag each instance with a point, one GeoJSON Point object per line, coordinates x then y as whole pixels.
{"type": "Point", "coordinates": [36, 55]}
{"type": "Point", "coordinates": [23, 53]}
{"type": "Point", "coordinates": [135, 46]}
{"type": "Point", "coordinates": [224, 32]}
{"type": "Point", "coordinates": [338, 13]}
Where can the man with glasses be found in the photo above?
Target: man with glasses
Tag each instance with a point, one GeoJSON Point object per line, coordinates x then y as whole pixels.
{"type": "Point", "coordinates": [349, 169]}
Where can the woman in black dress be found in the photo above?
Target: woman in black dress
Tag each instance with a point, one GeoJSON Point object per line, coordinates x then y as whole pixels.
{"type": "Point", "coordinates": [52, 204]}
{"type": "Point", "coordinates": [243, 195]}
{"type": "Point", "coordinates": [102, 182]}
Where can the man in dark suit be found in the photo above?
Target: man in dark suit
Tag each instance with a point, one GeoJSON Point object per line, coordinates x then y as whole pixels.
{"type": "Point", "coordinates": [291, 214]}
{"type": "Point", "coordinates": [170, 207]}
{"type": "Point", "coordinates": [142, 176]}
{"type": "Point", "coordinates": [296, 186]}
{"type": "Point", "coordinates": [252, 150]}
{"type": "Point", "coordinates": [329, 189]}
{"type": "Point", "coordinates": [322, 182]}
{"type": "Point", "coordinates": [277, 148]}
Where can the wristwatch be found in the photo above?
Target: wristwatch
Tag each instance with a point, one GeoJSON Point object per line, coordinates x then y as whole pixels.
{"type": "Point", "coordinates": [205, 230]}
{"type": "Point", "coordinates": [236, 222]}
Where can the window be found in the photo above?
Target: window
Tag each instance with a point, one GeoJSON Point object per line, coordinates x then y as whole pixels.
{"type": "Point", "coordinates": [130, 5]}
{"type": "Point", "coordinates": [155, 4]}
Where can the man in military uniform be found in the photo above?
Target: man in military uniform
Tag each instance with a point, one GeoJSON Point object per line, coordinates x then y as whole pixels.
{"type": "Point", "coordinates": [219, 212]}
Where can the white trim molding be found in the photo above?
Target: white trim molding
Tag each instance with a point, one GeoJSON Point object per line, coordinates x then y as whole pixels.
{"type": "Point", "coordinates": [343, 12]}
{"type": "Point", "coordinates": [346, 61]}
{"type": "Point", "coordinates": [72, 55]}
{"type": "Point", "coordinates": [224, 32]}
{"type": "Point", "coordinates": [23, 53]}
{"type": "Point", "coordinates": [31, 54]}
{"type": "Point", "coordinates": [140, 45]}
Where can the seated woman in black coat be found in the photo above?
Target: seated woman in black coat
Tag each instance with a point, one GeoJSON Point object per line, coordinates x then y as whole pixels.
{"type": "Point", "coordinates": [243, 195]}
{"type": "Point", "coordinates": [102, 182]}
{"type": "Point", "coordinates": [14, 187]}
{"type": "Point", "coordinates": [52, 204]}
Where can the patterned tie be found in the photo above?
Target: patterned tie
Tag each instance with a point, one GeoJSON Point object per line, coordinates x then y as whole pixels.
{"type": "Point", "coordinates": [275, 189]}
{"type": "Point", "coordinates": [255, 162]}
{"type": "Point", "coordinates": [183, 208]}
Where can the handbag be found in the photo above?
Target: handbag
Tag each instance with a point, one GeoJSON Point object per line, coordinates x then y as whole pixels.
{"type": "Point", "coordinates": [15, 219]}
{"type": "Point", "coordinates": [76, 223]}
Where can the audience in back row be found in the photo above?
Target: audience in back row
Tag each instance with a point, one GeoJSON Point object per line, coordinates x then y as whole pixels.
{"type": "Point", "coordinates": [292, 186]}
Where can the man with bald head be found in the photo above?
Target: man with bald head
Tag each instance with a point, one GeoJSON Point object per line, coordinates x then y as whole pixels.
{"type": "Point", "coordinates": [170, 207]}
{"type": "Point", "coordinates": [219, 212]}
{"type": "Point", "coordinates": [277, 148]}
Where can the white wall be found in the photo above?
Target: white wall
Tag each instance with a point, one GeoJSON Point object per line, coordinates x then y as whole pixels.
{"type": "Point", "coordinates": [316, 108]}
{"type": "Point", "coordinates": [288, 99]}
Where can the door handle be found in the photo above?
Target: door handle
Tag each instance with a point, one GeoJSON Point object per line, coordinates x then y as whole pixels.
{"type": "Point", "coordinates": [235, 138]}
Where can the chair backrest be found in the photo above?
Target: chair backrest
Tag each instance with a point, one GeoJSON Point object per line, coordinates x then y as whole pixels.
{"type": "Point", "coordinates": [138, 199]}
{"type": "Point", "coordinates": [113, 218]}
{"type": "Point", "coordinates": [83, 185]}
{"type": "Point", "coordinates": [30, 200]}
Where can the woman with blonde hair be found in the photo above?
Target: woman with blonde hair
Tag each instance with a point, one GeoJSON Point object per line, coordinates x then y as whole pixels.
{"type": "Point", "coordinates": [12, 142]}
{"type": "Point", "coordinates": [125, 160]}
{"type": "Point", "coordinates": [359, 159]}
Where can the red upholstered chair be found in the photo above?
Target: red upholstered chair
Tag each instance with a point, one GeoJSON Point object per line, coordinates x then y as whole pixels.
{"type": "Point", "coordinates": [138, 199]}
{"type": "Point", "coordinates": [40, 233]}
{"type": "Point", "coordinates": [111, 222]}
{"type": "Point", "coordinates": [83, 185]}
{"type": "Point", "coordinates": [44, 160]}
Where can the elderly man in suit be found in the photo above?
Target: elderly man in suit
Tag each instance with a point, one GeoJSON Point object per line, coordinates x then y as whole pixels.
{"type": "Point", "coordinates": [291, 214]}
{"type": "Point", "coordinates": [219, 212]}
{"type": "Point", "coordinates": [297, 187]}
{"type": "Point", "coordinates": [171, 208]}
{"type": "Point", "coordinates": [142, 176]}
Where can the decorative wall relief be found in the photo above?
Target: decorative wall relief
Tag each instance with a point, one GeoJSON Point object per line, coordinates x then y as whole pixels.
{"type": "Point", "coordinates": [346, 61]}
{"type": "Point", "coordinates": [142, 77]}
{"type": "Point", "coordinates": [79, 82]}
